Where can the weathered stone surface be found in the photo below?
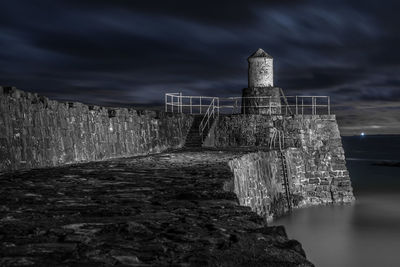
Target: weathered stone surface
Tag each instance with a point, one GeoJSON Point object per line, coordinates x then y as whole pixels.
{"type": "Point", "coordinates": [77, 213]}
{"type": "Point", "coordinates": [168, 209]}
{"type": "Point", "coordinates": [261, 100]}
{"type": "Point", "coordinates": [37, 132]}
{"type": "Point", "coordinates": [314, 158]}
{"type": "Point", "coordinates": [261, 73]}
{"type": "Point", "coordinates": [261, 97]}
{"type": "Point", "coordinates": [258, 183]}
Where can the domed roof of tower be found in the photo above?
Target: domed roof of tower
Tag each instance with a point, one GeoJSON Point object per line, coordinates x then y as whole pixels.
{"type": "Point", "coordinates": [260, 53]}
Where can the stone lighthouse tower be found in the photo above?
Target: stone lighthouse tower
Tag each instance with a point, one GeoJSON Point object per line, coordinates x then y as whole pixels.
{"type": "Point", "coordinates": [261, 97]}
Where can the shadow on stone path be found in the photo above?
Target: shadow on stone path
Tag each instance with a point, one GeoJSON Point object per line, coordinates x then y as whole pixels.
{"type": "Point", "coordinates": [168, 209]}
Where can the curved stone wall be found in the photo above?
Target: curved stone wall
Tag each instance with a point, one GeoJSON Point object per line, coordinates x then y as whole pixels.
{"type": "Point", "coordinates": [260, 72]}
{"type": "Point", "coordinates": [38, 132]}
{"type": "Point", "coordinates": [258, 182]}
{"type": "Point", "coordinates": [261, 100]}
{"type": "Point", "coordinates": [313, 153]}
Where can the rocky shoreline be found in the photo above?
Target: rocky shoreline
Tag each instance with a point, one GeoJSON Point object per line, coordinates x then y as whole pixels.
{"type": "Point", "coordinates": [168, 209]}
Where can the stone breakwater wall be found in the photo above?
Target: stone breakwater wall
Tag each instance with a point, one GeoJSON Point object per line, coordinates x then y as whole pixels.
{"type": "Point", "coordinates": [257, 183]}
{"type": "Point", "coordinates": [252, 130]}
{"type": "Point", "coordinates": [166, 209]}
{"type": "Point", "coordinates": [314, 156]}
{"type": "Point", "coordinates": [38, 132]}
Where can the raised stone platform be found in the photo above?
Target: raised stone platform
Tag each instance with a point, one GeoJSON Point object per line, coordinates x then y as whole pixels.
{"type": "Point", "coordinates": [167, 209]}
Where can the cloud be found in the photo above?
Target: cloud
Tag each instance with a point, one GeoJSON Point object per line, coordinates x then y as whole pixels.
{"type": "Point", "coordinates": [133, 52]}
{"type": "Point", "coordinates": [374, 117]}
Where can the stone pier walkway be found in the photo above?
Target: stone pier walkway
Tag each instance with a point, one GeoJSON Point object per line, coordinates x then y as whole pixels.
{"type": "Point", "coordinates": [168, 209]}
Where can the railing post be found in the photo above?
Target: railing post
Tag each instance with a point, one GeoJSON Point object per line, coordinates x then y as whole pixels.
{"type": "Point", "coordinates": [315, 105]}
{"type": "Point", "coordinates": [313, 98]}
{"type": "Point", "coordinates": [312, 105]}
{"type": "Point", "coordinates": [180, 102]}
{"type": "Point", "coordinates": [200, 106]}
{"type": "Point", "coordinates": [315, 108]}
{"type": "Point", "coordinates": [166, 101]}
{"type": "Point", "coordinates": [302, 106]}
{"type": "Point", "coordinates": [329, 105]}
{"type": "Point", "coordinates": [297, 110]}
{"type": "Point", "coordinates": [191, 108]}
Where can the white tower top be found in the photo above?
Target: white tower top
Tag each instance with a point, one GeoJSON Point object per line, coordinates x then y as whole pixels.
{"type": "Point", "coordinates": [260, 69]}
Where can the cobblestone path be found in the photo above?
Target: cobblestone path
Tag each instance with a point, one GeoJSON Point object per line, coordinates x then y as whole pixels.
{"type": "Point", "coordinates": [168, 209]}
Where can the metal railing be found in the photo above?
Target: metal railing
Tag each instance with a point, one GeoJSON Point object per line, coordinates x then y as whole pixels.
{"type": "Point", "coordinates": [210, 113]}
{"type": "Point", "coordinates": [273, 105]}
{"type": "Point", "coordinates": [176, 102]}
{"type": "Point", "coordinates": [279, 136]}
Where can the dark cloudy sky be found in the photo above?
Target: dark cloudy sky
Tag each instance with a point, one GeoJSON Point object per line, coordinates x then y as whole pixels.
{"type": "Point", "coordinates": [115, 52]}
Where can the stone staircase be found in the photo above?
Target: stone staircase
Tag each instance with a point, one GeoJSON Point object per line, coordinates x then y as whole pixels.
{"type": "Point", "coordinates": [193, 138]}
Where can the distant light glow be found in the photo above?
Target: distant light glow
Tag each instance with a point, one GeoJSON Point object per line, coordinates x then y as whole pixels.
{"type": "Point", "coordinates": [362, 134]}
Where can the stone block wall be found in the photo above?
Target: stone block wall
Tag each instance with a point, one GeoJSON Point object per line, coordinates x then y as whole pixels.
{"type": "Point", "coordinates": [314, 157]}
{"type": "Point", "coordinates": [258, 184]}
{"type": "Point", "coordinates": [319, 163]}
{"type": "Point", "coordinates": [241, 130]}
{"type": "Point", "coordinates": [38, 132]}
{"type": "Point", "coordinates": [261, 100]}
{"type": "Point", "coordinates": [254, 130]}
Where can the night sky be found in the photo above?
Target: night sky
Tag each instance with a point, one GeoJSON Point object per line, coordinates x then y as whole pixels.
{"type": "Point", "coordinates": [115, 52]}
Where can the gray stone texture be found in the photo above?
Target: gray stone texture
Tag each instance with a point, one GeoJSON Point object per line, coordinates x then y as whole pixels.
{"type": "Point", "coordinates": [257, 183]}
{"type": "Point", "coordinates": [38, 132]}
{"type": "Point", "coordinates": [314, 155]}
{"type": "Point", "coordinates": [261, 100]}
{"type": "Point", "coordinates": [260, 69]}
{"type": "Point", "coordinates": [166, 209]}
{"type": "Point", "coordinates": [261, 97]}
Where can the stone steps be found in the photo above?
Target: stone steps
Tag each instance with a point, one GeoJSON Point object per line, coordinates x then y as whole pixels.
{"type": "Point", "coordinates": [193, 138]}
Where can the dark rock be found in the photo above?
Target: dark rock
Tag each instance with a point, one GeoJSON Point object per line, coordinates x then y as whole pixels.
{"type": "Point", "coordinates": [182, 217]}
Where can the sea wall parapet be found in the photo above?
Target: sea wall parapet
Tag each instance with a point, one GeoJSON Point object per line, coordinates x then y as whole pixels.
{"type": "Point", "coordinates": [38, 132]}
{"type": "Point", "coordinates": [310, 156]}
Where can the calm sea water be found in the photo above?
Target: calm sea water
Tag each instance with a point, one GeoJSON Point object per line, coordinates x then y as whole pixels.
{"type": "Point", "coordinates": [368, 232]}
